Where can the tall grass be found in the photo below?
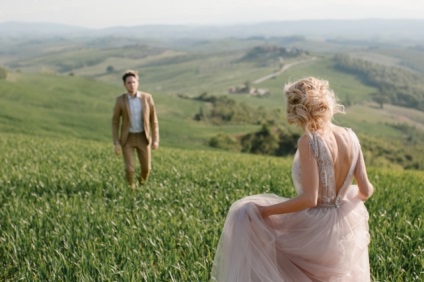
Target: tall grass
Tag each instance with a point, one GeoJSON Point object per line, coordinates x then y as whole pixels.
{"type": "Point", "coordinates": [66, 214]}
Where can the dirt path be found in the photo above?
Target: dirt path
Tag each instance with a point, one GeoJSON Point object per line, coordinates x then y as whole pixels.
{"type": "Point", "coordinates": [283, 69]}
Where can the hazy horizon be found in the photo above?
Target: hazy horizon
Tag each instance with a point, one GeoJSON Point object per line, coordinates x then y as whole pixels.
{"type": "Point", "coordinates": [110, 13]}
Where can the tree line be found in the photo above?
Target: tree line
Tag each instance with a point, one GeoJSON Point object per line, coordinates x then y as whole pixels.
{"type": "Point", "coordinates": [275, 138]}
{"type": "Point", "coordinates": [3, 73]}
{"type": "Point", "coordinates": [272, 51]}
{"type": "Point", "coordinates": [396, 86]}
{"type": "Point", "coordinates": [220, 110]}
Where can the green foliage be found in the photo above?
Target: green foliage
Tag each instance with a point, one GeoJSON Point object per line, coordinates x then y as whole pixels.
{"type": "Point", "coordinates": [267, 52]}
{"type": "Point", "coordinates": [396, 85]}
{"type": "Point", "coordinates": [264, 141]}
{"type": "Point", "coordinates": [380, 99]}
{"type": "Point", "coordinates": [405, 153]}
{"type": "Point", "coordinates": [277, 140]}
{"type": "Point", "coordinates": [411, 57]}
{"type": "Point", "coordinates": [67, 66]}
{"type": "Point", "coordinates": [225, 110]}
{"type": "Point", "coordinates": [3, 73]}
{"type": "Point", "coordinates": [66, 214]}
{"type": "Point", "coordinates": [274, 137]}
{"type": "Point", "coordinates": [226, 142]}
{"type": "Point", "coordinates": [270, 140]}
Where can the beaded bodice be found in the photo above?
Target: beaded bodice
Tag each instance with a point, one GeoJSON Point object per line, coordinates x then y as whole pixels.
{"type": "Point", "coordinates": [327, 194]}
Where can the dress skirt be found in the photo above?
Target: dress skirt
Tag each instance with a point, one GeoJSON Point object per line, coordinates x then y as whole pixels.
{"type": "Point", "coordinates": [324, 243]}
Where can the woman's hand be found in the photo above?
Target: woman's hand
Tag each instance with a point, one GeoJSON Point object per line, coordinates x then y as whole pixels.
{"type": "Point", "coordinates": [262, 211]}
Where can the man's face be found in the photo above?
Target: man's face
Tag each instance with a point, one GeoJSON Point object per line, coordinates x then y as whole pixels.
{"type": "Point", "coordinates": [131, 84]}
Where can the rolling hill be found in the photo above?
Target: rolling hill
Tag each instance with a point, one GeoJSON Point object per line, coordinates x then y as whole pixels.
{"type": "Point", "coordinates": [67, 88]}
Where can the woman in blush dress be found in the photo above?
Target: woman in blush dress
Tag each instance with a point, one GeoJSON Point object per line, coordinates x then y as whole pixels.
{"type": "Point", "coordinates": [320, 235]}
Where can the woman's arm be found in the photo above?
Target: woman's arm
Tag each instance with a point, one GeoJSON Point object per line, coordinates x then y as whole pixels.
{"type": "Point", "coordinates": [366, 189]}
{"type": "Point", "coordinates": [309, 182]}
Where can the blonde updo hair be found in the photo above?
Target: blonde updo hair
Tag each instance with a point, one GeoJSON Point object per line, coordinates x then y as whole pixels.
{"type": "Point", "coordinates": [311, 104]}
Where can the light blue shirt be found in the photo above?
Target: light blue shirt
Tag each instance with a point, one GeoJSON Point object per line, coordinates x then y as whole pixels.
{"type": "Point", "coordinates": [136, 112]}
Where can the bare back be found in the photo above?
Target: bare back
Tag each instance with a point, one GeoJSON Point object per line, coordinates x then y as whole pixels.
{"type": "Point", "coordinates": [336, 158]}
{"type": "Point", "coordinates": [339, 144]}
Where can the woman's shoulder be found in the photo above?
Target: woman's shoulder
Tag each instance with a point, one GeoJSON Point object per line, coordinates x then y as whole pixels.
{"type": "Point", "coordinates": [340, 128]}
{"type": "Point", "coordinates": [307, 144]}
{"type": "Point", "coordinates": [345, 137]}
{"type": "Point", "coordinates": [342, 131]}
{"type": "Point", "coordinates": [304, 140]}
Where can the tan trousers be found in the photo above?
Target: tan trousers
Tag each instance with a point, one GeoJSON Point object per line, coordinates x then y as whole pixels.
{"type": "Point", "coordinates": [138, 142]}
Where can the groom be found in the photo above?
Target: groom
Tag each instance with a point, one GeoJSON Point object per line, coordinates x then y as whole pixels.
{"type": "Point", "coordinates": [135, 115]}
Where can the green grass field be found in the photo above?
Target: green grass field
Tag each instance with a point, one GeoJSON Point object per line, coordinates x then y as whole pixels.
{"type": "Point", "coordinates": [66, 215]}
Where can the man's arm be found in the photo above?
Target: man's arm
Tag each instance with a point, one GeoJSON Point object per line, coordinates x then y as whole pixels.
{"type": "Point", "coordinates": [154, 124]}
{"type": "Point", "coordinates": [116, 118]}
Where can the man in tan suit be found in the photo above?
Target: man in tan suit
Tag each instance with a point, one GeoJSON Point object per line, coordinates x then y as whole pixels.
{"type": "Point", "coordinates": [135, 115]}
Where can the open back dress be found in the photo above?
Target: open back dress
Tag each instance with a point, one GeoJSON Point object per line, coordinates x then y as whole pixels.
{"type": "Point", "coordinates": [328, 242]}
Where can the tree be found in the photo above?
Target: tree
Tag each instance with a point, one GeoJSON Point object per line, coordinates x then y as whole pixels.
{"type": "Point", "coordinates": [3, 73]}
{"type": "Point", "coordinates": [199, 116]}
{"type": "Point", "coordinates": [110, 69]}
{"type": "Point", "coordinates": [380, 99]}
{"type": "Point", "coordinates": [247, 86]}
{"type": "Point", "coordinates": [264, 142]}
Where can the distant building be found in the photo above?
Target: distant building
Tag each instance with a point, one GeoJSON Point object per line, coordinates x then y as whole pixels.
{"type": "Point", "coordinates": [247, 89]}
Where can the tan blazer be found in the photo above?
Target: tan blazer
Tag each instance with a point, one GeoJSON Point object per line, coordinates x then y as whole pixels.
{"type": "Point", "coordinates": [121, 112]}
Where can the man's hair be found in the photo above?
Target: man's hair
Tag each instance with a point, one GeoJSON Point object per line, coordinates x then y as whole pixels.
{"type": "Point", "coordinates": [129, 73]}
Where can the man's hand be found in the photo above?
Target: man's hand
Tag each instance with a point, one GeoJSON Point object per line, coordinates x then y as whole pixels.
{"type": "Point", "coordinates": [155, 145]}
{"type": "Point", "coordinates": [117, 149]}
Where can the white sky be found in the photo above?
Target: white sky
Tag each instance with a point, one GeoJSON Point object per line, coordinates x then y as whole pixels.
{"type": "Point", "coordinates": [107, 13]}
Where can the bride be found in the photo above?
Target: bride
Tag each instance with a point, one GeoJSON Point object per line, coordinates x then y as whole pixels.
{"type": "Point", "coordinates": [320, 235]}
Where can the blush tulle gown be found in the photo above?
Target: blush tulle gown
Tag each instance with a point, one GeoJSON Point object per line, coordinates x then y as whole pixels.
{"type": "Point", "coordinates": [326, 243]}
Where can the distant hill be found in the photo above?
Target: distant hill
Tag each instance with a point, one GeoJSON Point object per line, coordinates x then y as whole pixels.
{"type": "Point", "coordinates": [376, 29]}
{"type": "Point", "coordinates": [17, 29]}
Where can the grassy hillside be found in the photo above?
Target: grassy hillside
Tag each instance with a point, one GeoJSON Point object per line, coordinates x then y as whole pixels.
{"type": "Point", "coordinates": [70, 106]}
{"type": "Point", "coordinates": [80, 105]}
{"type": "Point", "coordinates": [41, 104]}
{"type": "Point", "coordinates": [65, 213]}
{"type": "Point", "coordinates": [410, 58]}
